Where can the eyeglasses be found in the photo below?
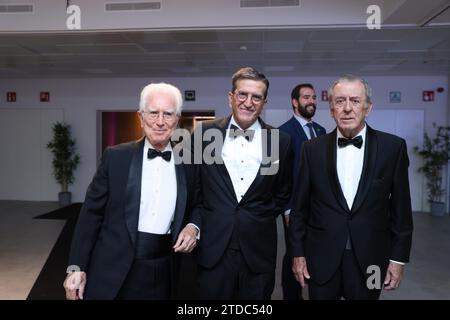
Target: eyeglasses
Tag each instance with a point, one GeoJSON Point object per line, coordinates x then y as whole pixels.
{"type": "Point", "coordinates": [153, 115]}
{"type": "Point", "coordinates": [354, 102]}
{"type": "Point", "coordinates": [243, 96]}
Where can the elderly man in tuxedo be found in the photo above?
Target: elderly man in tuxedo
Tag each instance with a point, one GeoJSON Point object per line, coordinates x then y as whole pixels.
{"type": "Point", "coordinates": [351, 227]}
{"type": "Point", "coordinates": [134, 215]}
{"type": "Point", "coordinates": [236, 253]}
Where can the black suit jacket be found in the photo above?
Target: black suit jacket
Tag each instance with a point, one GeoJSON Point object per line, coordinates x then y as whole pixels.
{"type": "Point", "coordinates": [219, 213]}
{"type": "Point", "coordinates": [105, 235]}
{"type": "Point", "coordinates": [298, 136]}
{"type": "Point", "coordinates": [380, 221]}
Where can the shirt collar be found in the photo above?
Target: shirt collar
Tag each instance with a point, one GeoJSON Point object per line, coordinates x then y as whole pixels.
{"type": "Point", "coordinates": [148, 145]}
{"type": "Point", "coordinates": [303, 121]}
{"type": "Point", "coordinates": [361, 133]}
{"type": "Point", "coordinates": [255, 126]}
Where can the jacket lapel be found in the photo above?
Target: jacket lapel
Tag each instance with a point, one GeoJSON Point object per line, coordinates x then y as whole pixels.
{"type": "Point", "coordinates": [332, 171]}
{"type": "Point", "coordinates": [222, 125]}
{"type": "Point", "coordinates": [133, 190]}
{"type": "Point", "coordinates": [181, 200]}
{"type": "Point", "coordinates": [319, 131]}
{"type": "Point", "coordinates": [370, 155]}
{"type": "Point", "coordinates": [298, 128]}
{"type": "Point", "coordinates": [266, 150]}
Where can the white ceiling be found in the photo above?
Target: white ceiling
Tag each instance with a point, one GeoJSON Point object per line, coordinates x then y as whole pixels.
{"type": "Point", "coordinates": [396, 49]}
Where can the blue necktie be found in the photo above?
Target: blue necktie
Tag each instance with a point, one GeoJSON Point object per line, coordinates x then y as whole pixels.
{"type": "Point", "coordinates": [312, 135]}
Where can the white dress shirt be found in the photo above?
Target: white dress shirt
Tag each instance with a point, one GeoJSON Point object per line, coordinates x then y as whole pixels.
{"type": "Point", "coordinates": [242, 158]}
{"type": "Point", "coordinates": [349, 164]}
{"type": "Point", "coordinates": [158, 193]}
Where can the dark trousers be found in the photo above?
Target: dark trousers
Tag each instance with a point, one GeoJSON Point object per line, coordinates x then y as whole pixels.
{"type": "Point", "coordinates": [292, 289]}
{"type": "Point", "coordinates": [149, 277]}
{"type": "Point", "coordinates": [232, 279]}
{"type": "Point", "coordinates": [348, 282]}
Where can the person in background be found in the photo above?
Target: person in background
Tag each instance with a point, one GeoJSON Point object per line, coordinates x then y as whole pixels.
{"type": "Point", "coordinates": [301, 128]}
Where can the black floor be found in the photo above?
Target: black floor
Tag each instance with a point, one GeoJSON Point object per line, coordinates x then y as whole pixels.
{"type": "Point", "coordinates": [49, 283]}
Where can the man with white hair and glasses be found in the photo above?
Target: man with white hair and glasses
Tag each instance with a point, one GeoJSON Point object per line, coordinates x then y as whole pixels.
{"type": "Point", "coordinates": [134, 217]}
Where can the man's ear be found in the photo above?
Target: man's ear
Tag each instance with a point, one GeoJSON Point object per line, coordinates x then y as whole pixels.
{"type": "Point", "coordinates": [141, 119]}
{"type": "Point", "coordinates": [230, 99]}
{"type": "Point", "coordinates": [369, 108]}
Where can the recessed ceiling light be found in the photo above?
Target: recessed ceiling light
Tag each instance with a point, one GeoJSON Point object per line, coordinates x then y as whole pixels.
{"type": "Point", "coordinates": [244, 48]}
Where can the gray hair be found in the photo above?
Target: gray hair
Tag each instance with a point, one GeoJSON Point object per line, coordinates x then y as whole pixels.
{"type": "Point", "coordinates": [351, 78]}
{"type": "Point", "coordinates": [158, 88]}
{"type": "Point", "coordinates": [249, 73]}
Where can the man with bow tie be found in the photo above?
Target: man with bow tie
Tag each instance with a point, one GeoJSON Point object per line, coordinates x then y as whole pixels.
{"type": "Point", "coordinates": [135, 213]}
{"type": "Point", "coordinates": [351, 227]}
{"type": "Point", "coordinates": [236, 254]}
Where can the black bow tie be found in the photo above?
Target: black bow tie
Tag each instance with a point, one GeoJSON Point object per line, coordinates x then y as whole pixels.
{"type": "Point", "coordinates": [357, 142]}
{"type": "Point", "coordinates": [152, 153]}
{"type": "Point", "coordinates": [236, 132]}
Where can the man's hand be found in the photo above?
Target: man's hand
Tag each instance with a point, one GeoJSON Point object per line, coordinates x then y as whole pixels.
{"type": "Point", "coordinates": [186, 240]}
{"type": "Point", "coordinates": [74, 285]}
{"type": "Point", "coordinates": [300, 270]}
{"type": "Point", "coordinates": [394, 276]}
{"type": "Point", "coordinates": [286, 220]}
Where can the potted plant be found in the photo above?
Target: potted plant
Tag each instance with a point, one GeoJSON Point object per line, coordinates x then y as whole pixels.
{"type": "Point", "coordinates": [65, 159]}
{"type": "Point", "coordinates": [435, 153]}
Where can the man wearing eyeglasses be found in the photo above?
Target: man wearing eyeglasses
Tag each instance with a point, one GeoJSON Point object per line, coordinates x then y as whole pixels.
{"type": "Point", "coordinates": [236, 254]}
{"type": "Point", "coordinates": [351, 226]}
{"type": "Point", "coordinates": [301, 128]}
{"type": "Point", "coordinates": [133, 216]}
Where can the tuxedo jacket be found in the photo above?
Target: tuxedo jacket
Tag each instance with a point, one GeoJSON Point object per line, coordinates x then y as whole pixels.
{"type": "Point", "coordinates": [298, 136]}
{"type": "Point", "coordinates": [219, 214]}
{"type": "Point", "coordinates": [379, 224]}
{"type": "Point", "coordinates": [104, 240]}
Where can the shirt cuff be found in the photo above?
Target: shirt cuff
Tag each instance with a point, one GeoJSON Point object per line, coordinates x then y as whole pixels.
{"type": "Point", "coordinates": [397, 262]}
{"type": "Point", "coordinates": [287, 212]}
{"type": "Point", "coordinates": [198, 230]}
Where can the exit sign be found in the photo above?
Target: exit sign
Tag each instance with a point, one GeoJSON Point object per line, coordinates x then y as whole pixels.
{"type": "Point", "coordinates": [11, 96]}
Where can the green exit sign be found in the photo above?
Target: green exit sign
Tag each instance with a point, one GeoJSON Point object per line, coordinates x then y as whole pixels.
{"type": "Point", "coordinates": [189, 95]}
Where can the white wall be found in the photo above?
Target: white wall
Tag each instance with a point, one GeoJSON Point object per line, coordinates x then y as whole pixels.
{"type": "Point", "coordinates": [25, 164]}
{"type": "Point", "coordinates": [81, 98]}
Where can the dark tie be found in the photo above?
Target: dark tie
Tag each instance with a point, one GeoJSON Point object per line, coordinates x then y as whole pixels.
{"type": "Point", "coordinates": [236, 132]}
{"type": "Point", "coordinates": [152, 153]}
{"type": "Point", "coordinates": [357, 142]}
{"type": "Point", "coordinates": [311, 131]}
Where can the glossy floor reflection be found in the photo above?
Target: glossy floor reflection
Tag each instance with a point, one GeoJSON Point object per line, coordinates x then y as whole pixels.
{"type": "Point", "coordinates": [25, 244]}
